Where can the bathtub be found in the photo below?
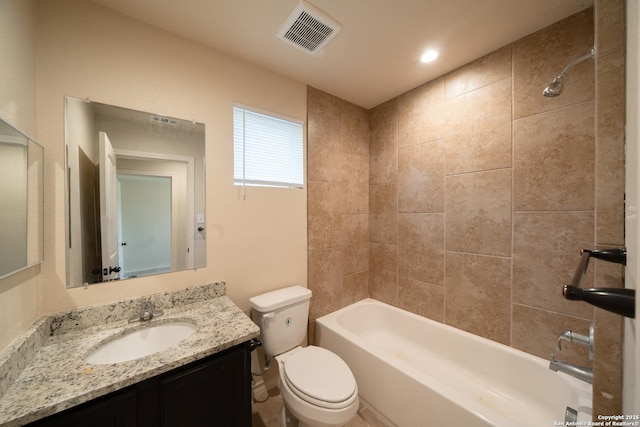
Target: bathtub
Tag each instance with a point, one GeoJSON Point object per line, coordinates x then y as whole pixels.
{"type": "Point", "coordinates": [416, 372]}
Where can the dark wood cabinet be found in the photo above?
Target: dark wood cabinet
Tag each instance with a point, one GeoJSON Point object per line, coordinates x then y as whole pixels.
{"type": "Point", "coordinates": [214, 391]}
{"type": "Point", "coordinates": [118, 409]}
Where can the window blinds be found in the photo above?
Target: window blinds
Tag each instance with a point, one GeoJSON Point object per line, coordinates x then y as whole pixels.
{"type": "Point", "coordinates": [267, 150]}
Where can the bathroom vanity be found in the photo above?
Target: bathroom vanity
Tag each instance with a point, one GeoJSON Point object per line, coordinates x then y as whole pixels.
{"type": "Point", "coordinates": [211, 391]}
{"type": "Point", "coordinates": [204, 379]}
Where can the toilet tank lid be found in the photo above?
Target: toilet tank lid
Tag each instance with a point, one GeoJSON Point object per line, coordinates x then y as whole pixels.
{"type": "Point", "coordinates": [279, 298]}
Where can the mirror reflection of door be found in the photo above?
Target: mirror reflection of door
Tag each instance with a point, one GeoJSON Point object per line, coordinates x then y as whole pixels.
{"type": "Point", "coordinates": [179, 228]}
{"type": "Point", "coordinates": [145, 224]}
{"type": "Point", "coordinates": [108, 210]}
{"type": "Point", "coordinates": [89, 196]}
{"type": "Point", "coordinates": [138, 222]}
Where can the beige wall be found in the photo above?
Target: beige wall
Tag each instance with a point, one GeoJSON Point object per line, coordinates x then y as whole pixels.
{"type": "Point", "coordinates": [86, 51]}
{"type": "Point", "coordinates": [482, 193]}
{"type": "Point", "coordinates": [19, 296]}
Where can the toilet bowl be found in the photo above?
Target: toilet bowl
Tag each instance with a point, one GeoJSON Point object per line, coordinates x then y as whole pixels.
{"type": "Point", "coordinates": [316, 385]}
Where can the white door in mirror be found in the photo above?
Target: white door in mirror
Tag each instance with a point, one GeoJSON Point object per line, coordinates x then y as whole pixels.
{"type": "Point", "coordinates": [108, 210]}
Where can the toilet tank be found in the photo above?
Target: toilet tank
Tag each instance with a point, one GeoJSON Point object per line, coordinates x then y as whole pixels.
{"type": "Point", "coordinates": [282, 317]}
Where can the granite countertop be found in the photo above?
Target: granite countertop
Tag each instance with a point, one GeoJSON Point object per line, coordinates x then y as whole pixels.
{"type": "Point", "coordinates": [45, 375]}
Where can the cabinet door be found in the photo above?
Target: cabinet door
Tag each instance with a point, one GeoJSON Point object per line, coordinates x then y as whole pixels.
{"type": "Point", "coordinates": [115, 410]}
{"type": "Point", "coordinates": [213, 393]}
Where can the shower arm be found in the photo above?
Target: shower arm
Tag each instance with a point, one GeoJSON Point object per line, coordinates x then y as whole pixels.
{"type": "Point", "coordinates": [563, 73]}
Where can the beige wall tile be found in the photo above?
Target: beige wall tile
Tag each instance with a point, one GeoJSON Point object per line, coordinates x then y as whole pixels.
{"type": "Point", "coordinates": [610, 150]}
{"type": "Point", "coordinates": [324, 133]}
{"type": "Point", "coordinates": [355, 250]}
{"type": "Point", "coordinates": [421, 247]}
{"type": "Point", "coordinates": [325, 281]}
{"type": "Point", "coordinates": [607, 274]}
{"type": "Point", "coordinates": [355, 183]}
{"type": "Point", "coordinates": [610, 44]}
{"type": "Point", "coordinates": [324, 219]}
{"type": "Point", "coordinates": [546, 252]}
{"type": "Point", "coordinates": [383, 143]}
{"type": "Point", "coordinates": [321, 103]}
{"type": "Point", "coordinates": [610, 23]}
{"type": "Point", "coordinates": [421, 178]}
{"type": "Point", "coordinates": [489, 69]}
{"type": "Point", "coordinates": [607, 375]}
{"type": "Point", "coordinates": [383, 167]}
{"type": "Point", "coordinates": [338, 203]}
{"type": "Point", "coordinates": [478, 211]}
{"type": "Point", "coordinates": [383, 213]}
{"type": "Point", "coordinates": [536, 332]}
{"type": "Point", "coordinates": [550, 203]}
{"type": "Point", "coordinates": [355, 130]}
{"type": "Point", "coordinates": [424, 299]}
{"type": "Point", "coordinates": [540, 57]}
{"type": "Point", "coordinates": [554, 160]}
{"type": "Point", "coordinates": [478, 126]}
{"type": "Point", "coordinates": [478, 295]}
{"type": "Point", "coordinates": [355, 287]}
{"type": "Point", "coordinates": [324, 157]}
{"type": "Point", "coordinates": [421, 114]}
{"type": "Point", "coordinates": [383, 273]}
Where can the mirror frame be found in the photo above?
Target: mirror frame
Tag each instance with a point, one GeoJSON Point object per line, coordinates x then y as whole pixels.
{"type": "Point", "coordinates": [34, 211]}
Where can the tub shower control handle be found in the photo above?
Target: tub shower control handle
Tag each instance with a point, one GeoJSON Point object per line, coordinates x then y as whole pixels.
{"type": "Point", "coordinates": [616, 300]}
{"type": "Point", "coordinates": [620, 301]}
{"type": "Point", "coordinates": [617, 255]}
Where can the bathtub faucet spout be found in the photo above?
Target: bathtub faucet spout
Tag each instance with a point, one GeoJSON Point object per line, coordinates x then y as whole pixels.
{"type": "Point", "coordinates": [576, 371]}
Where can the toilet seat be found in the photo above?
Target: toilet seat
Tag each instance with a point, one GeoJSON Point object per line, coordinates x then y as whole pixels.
{"type": "Point", "coordinates": [320, 377]}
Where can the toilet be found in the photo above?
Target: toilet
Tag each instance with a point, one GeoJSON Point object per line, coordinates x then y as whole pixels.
{"type": "Point", "coordinates": [316, 385]}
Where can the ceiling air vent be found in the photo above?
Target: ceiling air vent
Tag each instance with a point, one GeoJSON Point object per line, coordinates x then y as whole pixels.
{"type": "Point", "coordinates": [308, 28]}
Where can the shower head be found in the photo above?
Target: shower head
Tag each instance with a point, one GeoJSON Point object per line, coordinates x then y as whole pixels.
{"type": "Point", "coordinates": [555, 87]}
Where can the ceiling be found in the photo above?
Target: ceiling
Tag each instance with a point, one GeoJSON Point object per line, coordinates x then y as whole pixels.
{"type": "Point", "coordinates": [376, 55]}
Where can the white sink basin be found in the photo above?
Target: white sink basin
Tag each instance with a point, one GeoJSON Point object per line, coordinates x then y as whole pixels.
{"type": "Point", "coordinates": [141, 343]}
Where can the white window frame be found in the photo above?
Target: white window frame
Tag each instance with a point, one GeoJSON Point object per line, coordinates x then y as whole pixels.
{"type": "Point", "coordinates": [291, 174]}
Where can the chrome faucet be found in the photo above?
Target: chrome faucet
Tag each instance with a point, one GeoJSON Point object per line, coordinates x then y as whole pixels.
{"type": "Point", "coordinates": [577, 338]}
{"type": "Point", "coordinates": [581, 372]}
{"type": "Point", "coordinates": [576, 371]}
{"type": "Point", "coordinates": [147, 313]}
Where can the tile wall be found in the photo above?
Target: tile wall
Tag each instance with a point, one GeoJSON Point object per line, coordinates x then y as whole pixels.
{"type": "Point", "coordinates": [481, 193]}
{"type": "Point", "coordinates": [338, 203]}
{"type": "Point", "coordinates": [609, 193]}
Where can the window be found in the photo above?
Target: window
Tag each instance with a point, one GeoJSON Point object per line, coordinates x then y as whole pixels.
{"type": "Point", "coordinates": [267, 150]}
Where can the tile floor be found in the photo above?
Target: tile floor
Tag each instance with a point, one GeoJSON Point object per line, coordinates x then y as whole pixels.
{"type": "Point", "coordinates": [267, 414]}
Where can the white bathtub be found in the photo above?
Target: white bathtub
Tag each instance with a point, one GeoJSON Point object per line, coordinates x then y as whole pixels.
{"type": "Point", "coordinates": [417, 372]}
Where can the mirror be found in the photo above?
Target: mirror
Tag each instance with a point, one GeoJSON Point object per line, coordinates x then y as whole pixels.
{"type": "Point", "coordinates": [135, 193]}
{"type": "Point", "coordinates": [22, 195]}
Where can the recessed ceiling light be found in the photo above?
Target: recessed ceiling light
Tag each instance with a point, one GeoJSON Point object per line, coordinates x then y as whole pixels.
{"type": "Point", "coordinates": [429, 56]}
